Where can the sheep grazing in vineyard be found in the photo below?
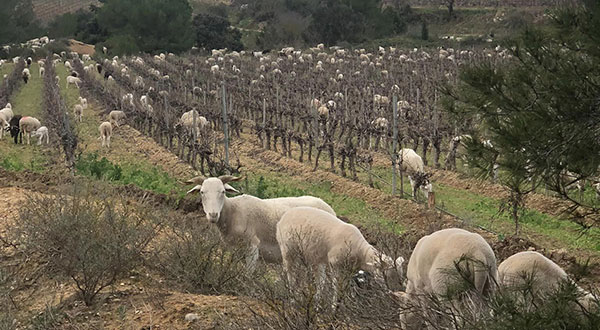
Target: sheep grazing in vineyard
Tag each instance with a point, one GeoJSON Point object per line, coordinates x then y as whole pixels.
{"type": "Point", "coordinates": [42, 134]}
{"type": "Point", "coordinates": [318, 238]}
{"type": "Point", "coordinates": [412, 164]}
{"type": "Point", "coordinates": [73, 81]}
{"type": "Point", "coordinates": [187, 122]}
{"type": "Point", "coordinates": [441, 261]}
{"type": "Point", "coordinates": [42, 71]}
{"type": "Point", "coordinates": [105, 133]}
{"type": "Point", "coordinates": [28, 125]}
{"type": "Point", "coordinates": [116, 117]}
{"type": "Point", "coordinates": [78, 112]}
{"type": "Point", "coordinates": [6, 115]}
{"type": "Point", "coordinates": [26, 75]}
{"type": "Point", "coordinates": [246, 217]}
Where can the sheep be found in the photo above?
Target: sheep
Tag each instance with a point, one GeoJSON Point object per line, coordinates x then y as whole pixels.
{"type": "Point", "coordinates": [78, 112]}
{"type": "Point", "coordinates": [26, 75]}
{"type": "Point", "coordinates": [105, 133]}
{"type": "Point", "coordinates": [42, 71]}
{"type": "Point", "coordinates": [41, 133]}
{"type": "Point", "coordinates": [246, 217]}
{"type": "Point", "coordinates": [115, 117]}
{"type": "Point", "coordinates": [412, 164]}
{"type": "Point", "coordinates": [15, 132]}
{"type": "Point", "coordinates": [214, 69]}
{"type": "Point", "coordinates": [83, 101]}
{"type": "Point", "coordinates": [187, 121]}
{"type": "Point", "coordinates": [68, 65]}
{"type": "Point", "coordinates": [321, 240]}
{"type": "Point", "coordinates": [73, 81]}
{"type": "Point", "coordinates": [537, 274]}
{"type": "Point", "coordinates": [6, 115]}
{"type": "Point", "coordinates": [27, 125]}
{"type": "Point", "coordinates": [443, 259]}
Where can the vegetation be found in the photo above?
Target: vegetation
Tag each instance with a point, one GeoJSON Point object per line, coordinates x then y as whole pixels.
{"type": "Point", "coordinates": [86, 236]}
{"type": "Point", "coordinates": [18, 21]}
{"type": "Point", "coordinates": [214, 32]}
{"type": "Point", "coordinates": [540, 113]}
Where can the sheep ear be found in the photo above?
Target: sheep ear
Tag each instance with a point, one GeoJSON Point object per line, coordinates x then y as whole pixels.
{"type": "Point", "coordinates": [196, 188]}
{"type": "Point", "coordinates": [196, 180]}
{"type": "Point", "coordinates": [230, 189]}
{"type": "Point", "coordinates": [229, 178]}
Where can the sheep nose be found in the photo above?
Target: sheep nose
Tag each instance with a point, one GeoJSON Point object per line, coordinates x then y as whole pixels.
{"type": "Point", "coordinates": [213, 215]}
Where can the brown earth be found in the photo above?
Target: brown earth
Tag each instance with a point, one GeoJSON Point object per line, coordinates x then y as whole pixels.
{"type": "Point", "coordinates": [81, 48]}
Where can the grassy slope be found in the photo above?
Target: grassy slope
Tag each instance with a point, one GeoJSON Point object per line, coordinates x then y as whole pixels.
{"type": "Point", "coordinates": [27, 101]}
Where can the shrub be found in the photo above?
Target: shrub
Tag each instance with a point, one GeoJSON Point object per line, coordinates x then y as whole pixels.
{"type": "Point", "coordinates": [86, 236]}
{"type": "Point", "coordinates": [193, 255]}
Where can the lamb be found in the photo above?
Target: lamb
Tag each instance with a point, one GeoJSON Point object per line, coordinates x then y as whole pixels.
{"type": "Point", "coordinates": [412, 164]}
{"type": "Point", "coordinates": [26, 75]}
{"type": "Point", "coordinates": [444, 258]}
{"type": "Point", "coordinates": [78, 112]}
{"type": "Point", "coordinates": [27, 125]}
{"type": "Point", "coordinates": [248, 218]}
{"type": "Point", "coordinates": [41, 133]}
{"type": "Point", "coordinates": [115, 117]}
{"type": "Point", "coordinates": [533, 271]}
{"type": "Point", "coordinates": [323, 240]}
{"type": "Point", "coordinates": [73, 81]}
{"type": "Point", "coordinates": [105, 133]}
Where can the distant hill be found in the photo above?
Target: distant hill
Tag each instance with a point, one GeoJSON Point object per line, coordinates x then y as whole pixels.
{"type": "Point", "coordinates": [46, 10]}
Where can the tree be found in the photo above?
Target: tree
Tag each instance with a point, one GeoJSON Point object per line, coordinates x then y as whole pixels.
{"type": "Point", "coordinates": [540, 108]}
{"type": "Point", "coordinates": [152, 25]}
{"type": "Point", "coordinates": [18, 21]}
{"type": "Point", "coordinates": [214, 32]}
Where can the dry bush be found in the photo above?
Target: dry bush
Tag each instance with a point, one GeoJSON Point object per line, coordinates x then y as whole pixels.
{"type": "Point", "coordinates": [193, 255]}
{"type": "Point", "coordinates": [86, 235]}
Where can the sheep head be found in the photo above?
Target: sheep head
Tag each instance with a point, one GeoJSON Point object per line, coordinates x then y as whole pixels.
{"type": "Point", "coordinates": [212, 192]}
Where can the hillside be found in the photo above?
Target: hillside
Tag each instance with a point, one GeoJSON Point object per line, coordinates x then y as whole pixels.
{"type": "Point", "coordinates": [46, 10]}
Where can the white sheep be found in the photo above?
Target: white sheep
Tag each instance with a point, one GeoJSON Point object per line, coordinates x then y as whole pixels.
{"type": "Point", "coordinates": [83, 101]}
{"type": "Point", "coordinates": [41, 133]}
{"type": "Point", "coordinates": [42, 71]}
{"type": "Point", "coordinates": [73, 81]}
{"type": "Point", "coordinates": [246, 217]}
{"type": "Point", "coordinates": [26, 75]}
{"type": "Point", "coordinates": [412, 164]}
{"type": "Point", "coordinates": [187, 121]}
{"type": "Point", "coordinates": [115, 117]}
{"type": "Point", "coordinates": [532, 271]}
{"type": "Point", "coordinates": [321, 240]}
{"type": "Point", "coordinates": [442, 260]}
{"type": "Point", "coordinates": [78, 112]}
{"type": "Point", "coordinates": [68, 65]}
{"type": "Point", "coordinates": [105, 133]}
{"type": "Point", "coordinates": [28, 125]}
{"type": "Point", "coordinates": [6, 115]}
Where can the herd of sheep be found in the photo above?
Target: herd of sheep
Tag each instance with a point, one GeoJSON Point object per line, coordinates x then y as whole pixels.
{"type": "Point", "coordinates": [286, 230]}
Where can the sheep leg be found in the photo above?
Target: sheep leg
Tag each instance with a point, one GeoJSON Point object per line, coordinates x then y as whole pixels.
{"type": "Point", "coordinates": [412, 186]}
{"type": "Point", "coordinates": [252, 257]}
{"type": "Point", "coordinates": [47, 138]}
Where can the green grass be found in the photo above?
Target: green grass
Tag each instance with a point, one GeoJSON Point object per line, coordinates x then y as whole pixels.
{"type": "Point", "coordinates": [6, 68]}
{"type": "Point", "coordinates": [140, 174]}
{"type": "Point", "coordinates": [27, 101]}
{"type": "Point", "coordinates": [281, 185]}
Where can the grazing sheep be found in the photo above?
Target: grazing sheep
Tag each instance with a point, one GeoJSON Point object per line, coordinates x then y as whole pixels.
{"type": "Point", "coordinates": [73, 81]}
{"type": "Point", "coordinates": [246, 217]}
{"type": "Point", "coordinates": [41, 133]}
{"type": "Point", "coordinates": [6, 115]}
{"type": "Point", "coordinates": [42, 71]}
{"type": "Point", "coordinates": [15, 132]}
{"type": "Point", "coordinates": [68, 65]}
{"type": "Point", "coordinates": [83, 102]}
{"type": "Point", "coordinates": [412, 164]}
{"type": "Point", "coordinates": [532, 271]}
{"type": "Point", "coordinates": [115, 117]}
{"type": "Point", "coordinates": [445, 259]}
{"type": "Point", "coordinates": [28, 125]}
{"type": "Point", "coordinates": [187, 121]}
{"type": "Point", "coordinates": [78, 112]}
{"type": "Point", "coordinates": [323, 240]}
{"type": "Point", "coordinates": [26, 75]}
{"type": "Point", "coordinates": [105, 133]}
